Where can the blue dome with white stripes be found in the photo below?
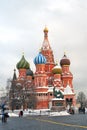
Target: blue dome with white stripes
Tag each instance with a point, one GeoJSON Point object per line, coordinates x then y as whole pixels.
{"type": "Point", "coordinates": [39, 59]}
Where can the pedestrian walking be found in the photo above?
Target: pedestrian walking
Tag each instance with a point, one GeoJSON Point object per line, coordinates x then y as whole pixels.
{"type": "Point", "coordinates": [21, 113]}
{"type": "Point", "coordinates": [4, 113]}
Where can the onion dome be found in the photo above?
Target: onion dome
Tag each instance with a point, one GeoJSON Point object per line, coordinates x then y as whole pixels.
{"type": "Point", "coordinates": [29, 72]}
{"type": "Point", "coordinates": [56, 69]}
{"type": "Point", "coordinates": [64, 60]}
{"type": "Point", "coordinates": [23, 64]}
{"type": "Point", "coordinates": [39, 59]}
{"type": "Point", "coordinates": [45, 29]}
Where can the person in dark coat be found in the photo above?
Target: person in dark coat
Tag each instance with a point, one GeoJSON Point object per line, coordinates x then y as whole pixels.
{"type": "Point", "coordinates": [21, 113]}
{"type": "Point", "coordinates": [4, 113]}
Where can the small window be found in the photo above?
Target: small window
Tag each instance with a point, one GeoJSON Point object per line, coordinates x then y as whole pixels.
{"type": "Point", "coordinates": [50, 94]}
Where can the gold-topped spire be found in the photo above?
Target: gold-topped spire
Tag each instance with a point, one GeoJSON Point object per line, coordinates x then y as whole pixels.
{"type": "Point", "coordinates": [45, 33]}
{"type": "Point", "coordinates": [45, 29]}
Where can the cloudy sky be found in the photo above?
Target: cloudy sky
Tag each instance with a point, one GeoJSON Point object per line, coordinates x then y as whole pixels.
{"type": "Point", "coordinates": [21, 30]}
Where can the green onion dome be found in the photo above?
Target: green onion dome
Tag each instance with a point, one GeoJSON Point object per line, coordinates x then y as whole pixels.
{"type": "Point", "coordinates": [57, 69]}
{"type": "Point", "coordinates": [23, 64]}
{"type": "Point", "coordinates": [29, 72]}
{"type": "Point", "coordinates": [64, 61]}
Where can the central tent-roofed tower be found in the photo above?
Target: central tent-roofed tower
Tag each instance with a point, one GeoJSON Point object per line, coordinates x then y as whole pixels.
{"type": "Point", "coordinates": [48, 53]}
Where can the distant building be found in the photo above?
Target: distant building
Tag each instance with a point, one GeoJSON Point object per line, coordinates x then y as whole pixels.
{"type": "Point", "coordinates": [35, 90]}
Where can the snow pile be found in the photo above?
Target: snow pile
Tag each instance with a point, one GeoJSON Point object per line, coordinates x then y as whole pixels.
{"type": "Point", "coordinates": [13, 114]}
{"type": "Point", "coordinates": [39, 112]}
{"type": "Point", "coordinates": [62, 113]}
{"type": "Point", "coordinates": [45, 112]}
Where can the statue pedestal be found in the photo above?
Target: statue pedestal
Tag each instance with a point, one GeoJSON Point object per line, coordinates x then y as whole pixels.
{"type": "Point", "coordinates": [58, 104]}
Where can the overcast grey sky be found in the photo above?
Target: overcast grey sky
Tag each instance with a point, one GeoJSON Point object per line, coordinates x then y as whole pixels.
{"type": "Point", "coordinates": [21, 30]}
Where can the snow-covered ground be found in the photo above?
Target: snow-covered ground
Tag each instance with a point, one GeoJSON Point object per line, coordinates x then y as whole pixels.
{"type": "Point", "coordinates": [47, 112]}
{"type": "Point", "coordinates": [37, 113]}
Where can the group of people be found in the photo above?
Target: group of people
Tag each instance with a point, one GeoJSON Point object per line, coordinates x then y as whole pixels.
{"type": "Point", "coordinates": [4, 117]}
{"type": "Point", "coordinates": [81, 110]}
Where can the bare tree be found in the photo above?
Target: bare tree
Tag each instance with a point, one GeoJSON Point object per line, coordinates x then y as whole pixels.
{"type": "Point", "coordinates": [81, 98]}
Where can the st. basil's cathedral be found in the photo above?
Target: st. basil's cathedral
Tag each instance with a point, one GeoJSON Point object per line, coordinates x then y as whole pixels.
{"type": "Point", "coordinates": [51, 84]}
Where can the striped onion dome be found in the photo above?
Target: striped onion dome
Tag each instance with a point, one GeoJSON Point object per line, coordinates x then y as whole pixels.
{"type": "Point", "coordinates": [23, 64]}
{"type": "Point", "coordinates": [39, 59]}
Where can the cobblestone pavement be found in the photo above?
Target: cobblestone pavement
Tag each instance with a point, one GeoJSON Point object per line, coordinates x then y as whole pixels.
{"type": "Point", "coordinates": [73, 122]}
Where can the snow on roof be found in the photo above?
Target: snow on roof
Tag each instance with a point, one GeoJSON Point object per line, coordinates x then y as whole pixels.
{"type": "Point", "coordinates": [62, 87]}
{"type": "Point", "coordinates": [18, 84]}
{"type": "Point", "coordinates": [56, 89]}
{"type": "Point", "coordinates": [57, 66]}
{"type": "Point", "coordinates": [57, 80]}
{"type": "Point", "coordinates": [68, 90]}
{"type": "Point", "coordinates": [43, 87]}
{"type": "Point", "coordinates": [50, 89]}
{"type": "Point", "coordinates": [57, 99]}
